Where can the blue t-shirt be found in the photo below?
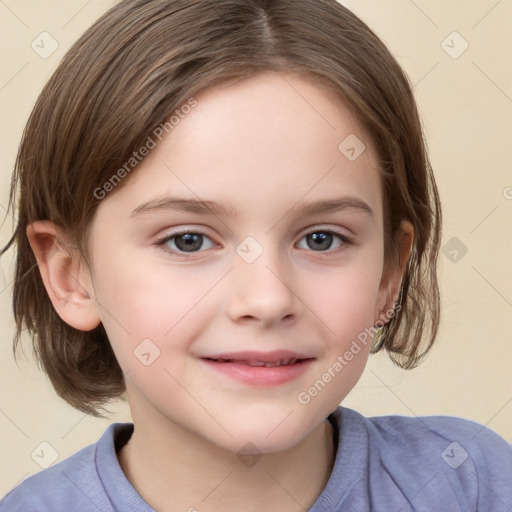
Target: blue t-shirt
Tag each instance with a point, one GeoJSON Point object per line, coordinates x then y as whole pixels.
{"type": "Point", "coordinates": [383, 464]}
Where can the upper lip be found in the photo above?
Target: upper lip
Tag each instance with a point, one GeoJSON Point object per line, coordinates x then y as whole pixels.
{"type": "Point", "coordinates": [257, 356]}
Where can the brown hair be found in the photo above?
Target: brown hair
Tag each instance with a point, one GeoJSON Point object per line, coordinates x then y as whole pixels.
{"type": "Point", "coordinates": [126, 75]}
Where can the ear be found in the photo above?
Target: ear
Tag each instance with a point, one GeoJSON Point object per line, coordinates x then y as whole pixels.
{"type": "Point", "coordinates": [63, 276]}
{"type": "Point", "coordinates": [393, 273]}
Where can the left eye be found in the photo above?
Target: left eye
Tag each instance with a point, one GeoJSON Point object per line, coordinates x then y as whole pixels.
{"type": "Point", "coordinates": [322, 240]}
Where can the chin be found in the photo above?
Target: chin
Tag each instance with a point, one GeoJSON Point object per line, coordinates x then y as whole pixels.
{"type": "Point", "coordinates": [256, 443]}
{"type": "Point", "coordinates": [268, 431]}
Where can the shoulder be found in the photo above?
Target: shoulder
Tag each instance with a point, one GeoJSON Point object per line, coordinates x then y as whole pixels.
{"type": "Point", "coordinates": [73, 483]}
{"type": "Point", "coordinates": [52, 488]}
{"type": "Point", "coordinates": [469, 458]}
{"type": "Point", "coordinates": [458, 439]}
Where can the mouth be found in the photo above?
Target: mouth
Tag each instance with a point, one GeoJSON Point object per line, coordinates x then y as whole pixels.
{"type": "Point", "coordinates": [269, 364]}
{"type": "Point", "coordinates": [260, 368]}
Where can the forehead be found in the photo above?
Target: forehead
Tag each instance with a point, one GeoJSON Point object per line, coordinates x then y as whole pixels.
{"type": "Point", "coordinates": [263, 143]}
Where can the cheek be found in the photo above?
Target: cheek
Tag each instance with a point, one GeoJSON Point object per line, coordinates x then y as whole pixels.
{"type": "Point", "coordinates": [347, 312]}
{"type": "Point", "coordinates": [154, 301]}
{"type": "Point", "coordinates": [345, 302]}
{"type": "Point", "coordinates": [345, 298]}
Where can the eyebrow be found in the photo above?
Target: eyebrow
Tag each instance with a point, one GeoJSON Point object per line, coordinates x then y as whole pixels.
{"type": "Point", "coordinates": [205, 207]}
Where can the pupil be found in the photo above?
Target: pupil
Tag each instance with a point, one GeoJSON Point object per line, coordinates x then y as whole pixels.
{"type": "Point", "coordinates": [189, 242]}
{"type": "Point", "coordinates": [321, 241]}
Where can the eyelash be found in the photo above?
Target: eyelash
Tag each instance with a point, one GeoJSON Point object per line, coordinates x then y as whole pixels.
{"type": "Point", "coordinates": [162, 243]}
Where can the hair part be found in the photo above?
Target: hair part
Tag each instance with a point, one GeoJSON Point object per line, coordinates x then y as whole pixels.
{"type": "Point", "coordinates": [121, 80]}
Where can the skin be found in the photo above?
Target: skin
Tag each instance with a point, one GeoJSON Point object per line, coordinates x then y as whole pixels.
{"type": "Point", "coordinates": [212, 300]}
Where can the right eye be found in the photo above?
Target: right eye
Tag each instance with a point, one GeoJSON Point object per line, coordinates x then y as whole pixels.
{"type": "Point", "coordinates": [184, 242]}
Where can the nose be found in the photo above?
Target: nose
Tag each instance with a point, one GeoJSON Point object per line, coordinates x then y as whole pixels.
{"type": "Point", "coordinates": [260, 292]}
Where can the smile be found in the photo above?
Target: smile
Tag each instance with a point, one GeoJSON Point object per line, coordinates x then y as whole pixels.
{"type": "Point", "coordinates": [259, 369]}
{"type": "Point", "coordinates": [271, 364]}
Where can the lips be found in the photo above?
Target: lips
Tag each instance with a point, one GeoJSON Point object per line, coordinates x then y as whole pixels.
{"type": "Point", "coordinates": [256, 358]}
{"type": "Point", "coordinates": [270, 364]}
{"type": "Point", "coordinates": [260, 368]}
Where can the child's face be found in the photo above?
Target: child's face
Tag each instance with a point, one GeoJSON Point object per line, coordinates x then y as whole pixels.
{"type": "Point", "coordinates": [254, 282]}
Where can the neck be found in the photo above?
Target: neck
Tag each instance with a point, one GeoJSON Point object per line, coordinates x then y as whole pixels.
{"type": "Point", "coordinates": [172, 469]}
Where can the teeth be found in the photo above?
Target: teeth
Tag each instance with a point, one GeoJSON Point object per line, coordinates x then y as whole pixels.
{"type": "Point", "coordinates": [272, 364]}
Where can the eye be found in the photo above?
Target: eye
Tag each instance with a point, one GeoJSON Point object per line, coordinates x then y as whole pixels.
{"type": "Point", "coordinates": [189, 242]}
{"type": "Point", "coordinates": [321, 240]}
{"type": "Point", "coordinates": [185, 242]}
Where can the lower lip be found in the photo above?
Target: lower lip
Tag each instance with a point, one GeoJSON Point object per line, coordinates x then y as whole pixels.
{"type": "Point", "coordinates": [260, 375]}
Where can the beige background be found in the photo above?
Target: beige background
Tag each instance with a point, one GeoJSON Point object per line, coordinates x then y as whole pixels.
{"type": "Point", "coordinates": [466, 104]}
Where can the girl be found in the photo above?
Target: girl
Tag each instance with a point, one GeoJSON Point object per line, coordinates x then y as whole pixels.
{"type": "Point", "coordinates": [230, 205]}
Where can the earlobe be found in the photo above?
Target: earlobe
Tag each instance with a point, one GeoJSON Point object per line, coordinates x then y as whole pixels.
{"type": "Point", "coordinates": [394, 272]}
{"type": "Point", "coordinates": [62, 276]}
